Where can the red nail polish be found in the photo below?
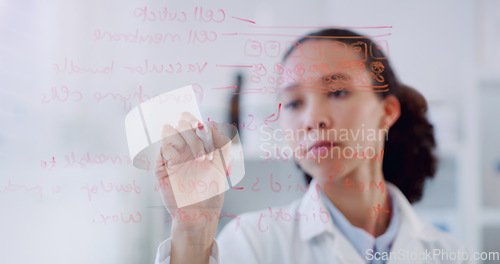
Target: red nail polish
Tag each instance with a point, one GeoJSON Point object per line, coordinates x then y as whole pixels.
{"type": "Point", "coordinates": [200, 126]}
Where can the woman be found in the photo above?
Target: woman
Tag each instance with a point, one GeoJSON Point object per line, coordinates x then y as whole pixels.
{"type": "Point", "coordinates": [356, 210]}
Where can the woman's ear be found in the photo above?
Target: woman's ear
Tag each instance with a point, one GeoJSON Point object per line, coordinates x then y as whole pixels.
{"type": "Point", "coordinates": [392, 111]}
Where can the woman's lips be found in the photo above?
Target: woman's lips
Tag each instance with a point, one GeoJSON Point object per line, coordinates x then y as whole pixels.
{"type": "Point", "coordinates": [320, 148]}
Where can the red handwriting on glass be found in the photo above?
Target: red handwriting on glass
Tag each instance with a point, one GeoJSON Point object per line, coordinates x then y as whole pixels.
{"type": "Point", "coordinates": [73, 68]}
{"type": "Point", "coordinates": [354, 76]}
{"type": "Point", "coordinates": [11, 187]}
{"type": "Point", "coordinates": [139, 97]}
{"type": "Point", "coordinates": [332, 50]}
{"type": "Point", "coordinates": [279, 215]}
{"type": "Point", "coordinates": [120, 218]}
{"type": "Point", "coordinates": [52, 163]}
{"type": "Point", "coordinates": [270, 118]}
{"type": "Point", "coordinates": [89, 159]}
{"type": "Point", "coordinates": [183, 216]}
{"type": "Point", "coordinates": [272, 48]}
{"type": "Point", "coordinates": [163, 15]}
{"type": "Point", "coordinates": [259, 70]}
{"type": "Point", "coordinates": [109, 187]}
{"type": "Point", "coordinates": [253, 48]}
{"type": "Point", "coordinates": [201, 36]}
{"type": "Point", "coordinates": [171, 68]}
{"type": "Point", "coordinates": [360, 186]}
{"type": "Point", "coordinates": [379, 45]}
{"type": "Point", "coordinates": [209, 16]}
{"type": "Point", "coordinates": [276, 186]}
{"type": "Point", "coordinates": [67, 95]}
{"type": "Point", "coordinates": [199, 186]}
{"type": "Point", "coordinates": [377, 68]}
{"type": "Point", "coordinates": [200, 14]}
{"type": "Point", "coordinates": [242, 125]}
{"type": "Point", "coordinates": [376, 211]}
{"type": "Point", "coordinates": [137, 37]}
{"type": "Point", "coordinates": [62, 94]}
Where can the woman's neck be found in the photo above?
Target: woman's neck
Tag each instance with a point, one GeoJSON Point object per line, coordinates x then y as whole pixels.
{"type": "Point", "coordinates": [362, 198]}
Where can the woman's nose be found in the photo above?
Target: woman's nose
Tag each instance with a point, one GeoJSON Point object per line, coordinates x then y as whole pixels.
{"type": "Point", "coordinates": [320, 124]}
{"type": "Point", "coordinates": [318, 120]}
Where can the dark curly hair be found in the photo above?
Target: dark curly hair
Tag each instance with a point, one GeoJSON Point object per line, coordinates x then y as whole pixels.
{"type": "Point", "coordinates": [409, 157]}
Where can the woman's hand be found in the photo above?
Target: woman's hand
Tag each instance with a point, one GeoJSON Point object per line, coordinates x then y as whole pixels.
{"type": "Point", "coordinates": [193, 181]}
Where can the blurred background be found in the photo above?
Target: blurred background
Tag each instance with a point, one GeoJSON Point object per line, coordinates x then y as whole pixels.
{"type": "Point", "coordinates": [71, 70]}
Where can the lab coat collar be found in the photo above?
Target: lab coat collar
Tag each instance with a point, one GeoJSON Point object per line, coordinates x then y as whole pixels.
{"type": "Point", "coordinates": [410, 222]}
{"type": "Point", "coordinates": [343, 248]}
{"type": "Point", "coordinates": [311, 202]}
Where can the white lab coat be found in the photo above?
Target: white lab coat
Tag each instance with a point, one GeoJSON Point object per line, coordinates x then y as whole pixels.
{"type": "Point", "coordinates": [258, 238]}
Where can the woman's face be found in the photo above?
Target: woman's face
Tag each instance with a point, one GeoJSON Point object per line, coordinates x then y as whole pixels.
{"type": "Point", "coordinates": [332, 130]}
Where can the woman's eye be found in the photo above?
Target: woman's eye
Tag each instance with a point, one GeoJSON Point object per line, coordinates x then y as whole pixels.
{"type": "Point", "coordinates": [293, 104]}
{"type": "Point", "coordinates": [338, 94]}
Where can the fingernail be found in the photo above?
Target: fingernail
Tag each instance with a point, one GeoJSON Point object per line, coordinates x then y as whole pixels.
{"type": "Point", "coordinates": [211, 155]}
{"type": "Point", "coordinates": [200, 126]}
{"type": "Point", "coordinates": [197, 125]}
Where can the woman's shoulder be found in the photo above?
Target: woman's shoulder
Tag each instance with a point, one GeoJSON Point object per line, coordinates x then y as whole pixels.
{"type": "Point", "coordinates": [430, 236]}
{"type": "Point", "coordinates": [439, 239]}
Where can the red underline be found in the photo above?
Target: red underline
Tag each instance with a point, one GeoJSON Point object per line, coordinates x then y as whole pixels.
{"type": "Point", "coordinates": [324, 91]}
{"type": "Point", "coordinates": [242, 19]}
{"type": "Point", "coordinates": [227, 87]}
{"type": "Point", "coordinates": [345, 86]}
{"type": "Point", "coordinates": [305, 36]}
{"type": "Point", "coordinates": [240, 66]}
{"type": "Point", "coordinates": [324, 27]}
